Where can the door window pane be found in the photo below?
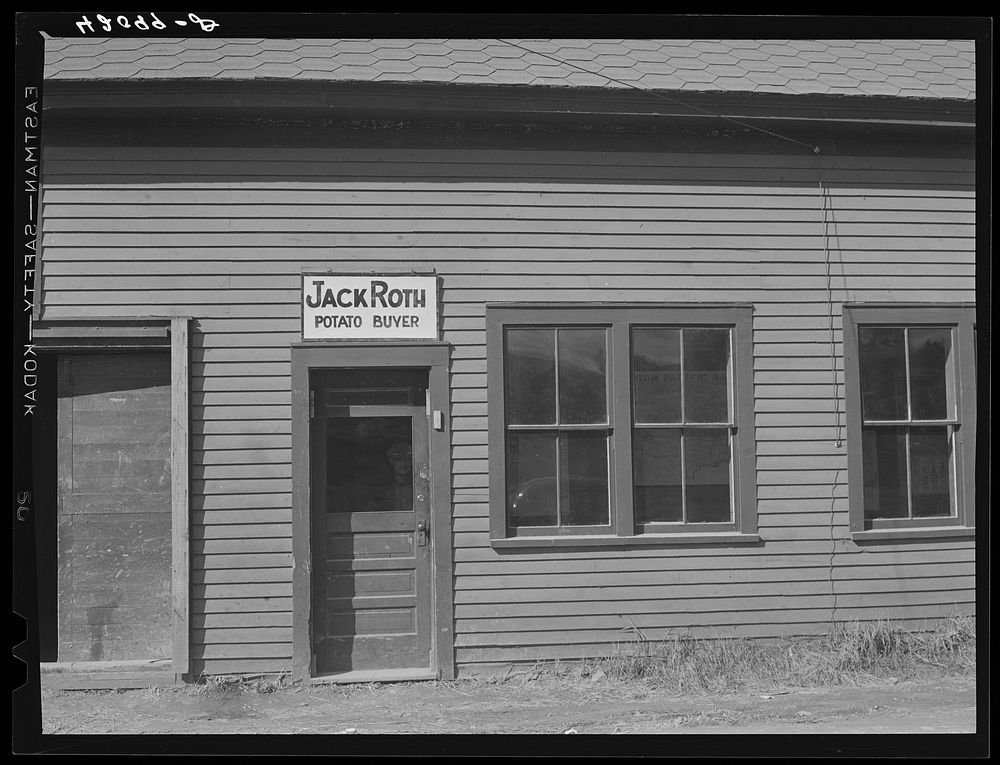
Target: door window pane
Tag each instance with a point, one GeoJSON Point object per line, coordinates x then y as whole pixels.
{"type": "Point", "coordinates": [583, 482]}
{"type": "Point", "coordinates": [582, 376]}
{"type": "Point", "coordinates": [706, 475]}
{"type": "Point", "coordinates": [369, 464]}
{"type": "Point", "coordinates": [930, 472]}
{"type": "Point", "coordinates": [930, 349]}
{"type": "Point", "coordinates": [706, 363]}
{"type": "Point", "coordinates": [531, 376]}
{"type": "Point", "coordinates": [531, 479]}
{"type": "Point", "coordinates": [884, 457]}
{"type": "Point", "coordinates": [656, 461]}
{"type": "Point", "coordinates": [883, 373]}
{"type": "Point", "coordinates": [656, 375]}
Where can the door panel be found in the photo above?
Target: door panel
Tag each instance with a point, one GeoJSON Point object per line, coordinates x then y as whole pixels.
{"type": "Point", "coordinates": [371, 490]}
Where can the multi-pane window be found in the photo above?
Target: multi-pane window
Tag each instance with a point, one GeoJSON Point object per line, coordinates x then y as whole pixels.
{"type": "Point", "coordinates": [911, 383]}
{"type": "Point", "coordinates": [619, 421]}
{"type": "Point", "coordinates": [681, 450]}
{"type": "Point", "coordinates": [908, 411]}
{"type": "Point", "coordinates": [557, 426]}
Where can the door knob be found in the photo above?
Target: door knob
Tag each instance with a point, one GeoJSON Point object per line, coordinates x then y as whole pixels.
{"type": "Point", "coordinates": [422, 533]}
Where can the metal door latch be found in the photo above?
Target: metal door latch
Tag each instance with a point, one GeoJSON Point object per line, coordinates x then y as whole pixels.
{"type": "Point", "coordinates": [422, 533]}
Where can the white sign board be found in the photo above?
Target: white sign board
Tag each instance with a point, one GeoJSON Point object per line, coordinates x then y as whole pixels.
{"type": "Point", "coordinates": [369, 307]}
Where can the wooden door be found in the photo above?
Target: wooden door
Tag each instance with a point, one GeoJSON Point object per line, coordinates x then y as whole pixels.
{"type": "Point", "coordinates": [371, 543]}
{"type": "Point", "coordinates": [114, 507]}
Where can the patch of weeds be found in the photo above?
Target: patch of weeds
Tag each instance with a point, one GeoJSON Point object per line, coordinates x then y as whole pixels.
{"type": "Point", "coordinates": [863, 646]}
{"type": "Point", "coordinates": [883, 648]}
{"type": "Point", "coordinates": [269, 684]}
{"type": "Point", "coordinates": [349, 689]}
{"type": "Point", "coordinates": [219, 684]}
{"type": "Point", "coordinates": [854, 653]}
{"type": "Point", "coordinates": [518, 675]}
{"type": "Point", "coordinates": [236, 685]}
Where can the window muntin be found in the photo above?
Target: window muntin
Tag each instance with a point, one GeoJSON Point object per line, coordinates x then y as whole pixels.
{"type": "Point", "coordinates": [557, 429]}
{"type": "Point", "coordinates": [712, 492]}
{"type": "Point", "coordinates": [911, 416]}
{"type": "Point", "coordinates": [682, 424]}
{"type": "Point", "coordinates": [908, 419]}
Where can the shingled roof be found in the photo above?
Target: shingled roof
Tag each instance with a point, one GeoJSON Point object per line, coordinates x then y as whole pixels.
{"type": "Point", "coordinates": [901, 68]}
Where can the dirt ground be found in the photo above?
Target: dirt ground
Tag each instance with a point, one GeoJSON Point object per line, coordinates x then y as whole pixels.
{"type": "Point", "coordinates": [525, 704]}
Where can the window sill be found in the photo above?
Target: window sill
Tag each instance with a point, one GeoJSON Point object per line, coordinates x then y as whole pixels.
{"type": "Point", "coordinates": [642, 540]}
{"type": "Point", "coordinates": [927, 532]}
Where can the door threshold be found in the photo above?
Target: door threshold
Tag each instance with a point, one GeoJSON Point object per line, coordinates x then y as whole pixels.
{"type": "Point", "coordinates": [124, 665]}
{"type": "Point", "coordinates": [98, 675]}
{"type": "Point", "coordinates": [376, 676]}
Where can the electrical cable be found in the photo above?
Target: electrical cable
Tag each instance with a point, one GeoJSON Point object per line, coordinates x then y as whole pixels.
{"type": "Point", "coordinates": [825, 196]}
{"type": "Point", "coordinates": [658, 94]}
{"type": "Point", "coordinates": [833, 549]}
{"type": "Point", "coordinates": [826, 206]}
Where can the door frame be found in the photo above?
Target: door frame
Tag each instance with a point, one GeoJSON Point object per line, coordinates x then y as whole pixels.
{"type": "Point", "coordinates": [170, 334]}
{"type": "Point", "coordinates": [434, 357]}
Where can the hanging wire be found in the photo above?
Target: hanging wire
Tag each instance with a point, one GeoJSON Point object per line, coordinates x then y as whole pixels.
{"type": "Point", "coordinates": [826, 204]}
{"type": "Point", "coordinates": [833, 548]}
{"type": "Point", "coordinates": [663, 96]}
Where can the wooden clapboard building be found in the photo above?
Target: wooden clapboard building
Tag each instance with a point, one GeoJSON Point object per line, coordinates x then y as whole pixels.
{"type": "Point", "coordinates": [409, 358]}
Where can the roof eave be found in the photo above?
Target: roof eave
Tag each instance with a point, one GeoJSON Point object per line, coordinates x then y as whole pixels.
{"type": "Point", "coordinates": [497, 102]}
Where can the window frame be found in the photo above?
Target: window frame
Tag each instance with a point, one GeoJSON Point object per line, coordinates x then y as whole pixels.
{"type": "Point", "coordinates": [560, 428]}
{"type": "Point", "coordinates": [961, 319]}
{"type": "Point", "coordinates": [620, 320]}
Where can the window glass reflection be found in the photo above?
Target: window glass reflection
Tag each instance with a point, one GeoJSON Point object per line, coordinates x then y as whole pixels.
{"type": "Point", "coordinates": [706, 475]}
{"type": "Point", "coordinates": [531, 376]}
{"type": "Point", "coordinates": [930, 350]}
{"type": "Point", "coordinates": [531, 479]}
{"type": "Point", "coordinates": [582, 376]}
{"type": "Point", "coordinates": [656, 375]}
{"type": "Point", "coordinates": [883, 373]}
{"type": "Point", "coordinates": [583, 481]}
{"type": "Point", "coordinates": [930, 472]}
{"type": "Point", "coordinates": [656, 462]}
{"type": "Point", "coordinates": [706, 362]}
{"type": "Point", "coordinates": [884, 458]}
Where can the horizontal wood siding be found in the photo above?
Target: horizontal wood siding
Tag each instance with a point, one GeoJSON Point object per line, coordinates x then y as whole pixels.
{"type": "Point", "coordinates": [222, 234]}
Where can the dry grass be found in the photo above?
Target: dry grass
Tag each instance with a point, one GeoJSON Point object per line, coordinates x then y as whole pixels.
{"type": "Point", "coordinates": [241, 684]}
{"type": "Point", "coordinates": [853, 653]}
{"type": "Point", "coordinates": [850, 654]}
